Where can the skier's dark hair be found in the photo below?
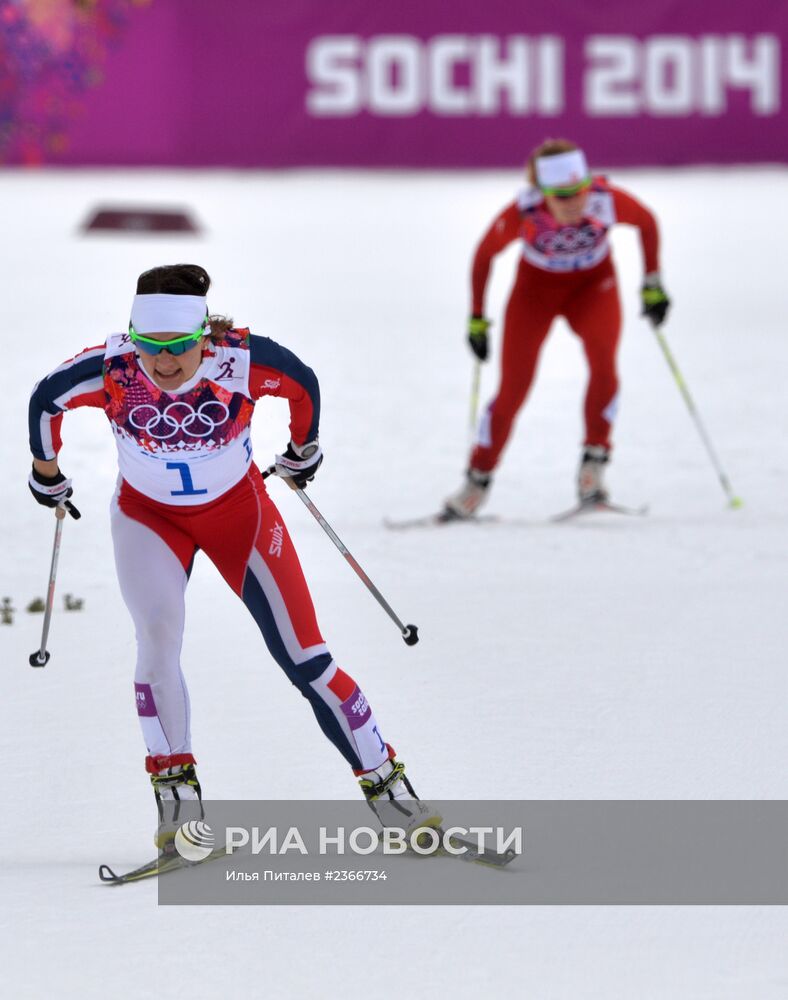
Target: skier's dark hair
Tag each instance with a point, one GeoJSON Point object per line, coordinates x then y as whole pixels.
{"type": "Point", "coordinates": [182, 279]}
{"type": "Point", "coordinates": [174, 279]}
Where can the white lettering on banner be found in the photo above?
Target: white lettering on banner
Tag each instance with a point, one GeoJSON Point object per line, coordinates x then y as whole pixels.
{"type": "Point", "coordinates": [394, 75]}
{"type": "Point", "coordinates": [760, 74]}
{"type": "Point", "coordinates": [447, 52]}
{"type": "Point", "coordinates": [550, 73]}
{"type": "Point", "coordinates": [675, 75]}
{"type": "Point", "coordinates": [669, 75]}
{"type": "Point", "coordinates": [330, 61]}
{"type": "Point", "coordinates": [497, 75]}
{"type": "Point", "coordinates": [712, 87]}
{"type": "Point", "coordinates": [460, 76]}
{"type": "Point", "coordinates": [619, 65]}
{"type": "Point", "coordinates": [449, 75]}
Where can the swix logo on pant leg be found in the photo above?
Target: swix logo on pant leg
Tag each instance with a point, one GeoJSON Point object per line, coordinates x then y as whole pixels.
{"type": "Point", "coordinates": [356, 709]}
{"type": "Point", "coordinates": [277, 539]}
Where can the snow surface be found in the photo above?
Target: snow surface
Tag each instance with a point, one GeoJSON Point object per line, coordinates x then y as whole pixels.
{"type": "Point", "coordinates": [609, 658]}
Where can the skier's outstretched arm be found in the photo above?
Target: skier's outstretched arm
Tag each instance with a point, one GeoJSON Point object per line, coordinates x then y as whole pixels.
{"type": "Point", "coordinates": [503, 231]}
{"type": "Point", "coordinates": [77, 382]}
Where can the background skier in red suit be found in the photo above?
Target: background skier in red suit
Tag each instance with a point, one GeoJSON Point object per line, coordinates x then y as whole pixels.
{"type": "Point", "coordinates": [562, 218]}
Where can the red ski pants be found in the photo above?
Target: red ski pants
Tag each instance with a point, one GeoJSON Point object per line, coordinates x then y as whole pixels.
{"type": "Point", "coordinates": [589, 301]}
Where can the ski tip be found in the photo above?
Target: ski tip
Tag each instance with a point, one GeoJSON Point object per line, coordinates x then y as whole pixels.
{"type": "Point", "coordinates": [106, 874]}
{"type": "Point", "coordinates": [427, 521]}
{"type": "Point", "coordinates": [736, 503]}
{"type": "Point", "coordinates": [599, 507]}
{"type": "Point", "coordinates": [438, 519]}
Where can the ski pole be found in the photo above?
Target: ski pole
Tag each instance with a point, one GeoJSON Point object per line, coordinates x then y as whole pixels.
{"type": "Point", "coordinates": [733, 500]}
{"type": "Point", "coordinates": [475, 383]}
{"type": "Point", "coordinates": [41, 657]}
{"type": "Point", "coordinates": [410, 633]}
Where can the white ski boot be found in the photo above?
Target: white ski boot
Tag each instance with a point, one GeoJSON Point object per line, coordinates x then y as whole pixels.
{"type": "Point", "coordinates": [471, 495]}
{"type": "Point", "coordinates": [590, 478]}
{"type": "Point", "coordinates": [391, 797]}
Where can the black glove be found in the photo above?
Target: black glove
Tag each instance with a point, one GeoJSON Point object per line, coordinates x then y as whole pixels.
{"type": "Point", "coordinates": [477, 336]}
{"type": "Point", "coordinates": [655, 301]}
{"type": "Point", "coordinates": [52, 491]}
{"type": "Point", "coordinates": [300, 462]}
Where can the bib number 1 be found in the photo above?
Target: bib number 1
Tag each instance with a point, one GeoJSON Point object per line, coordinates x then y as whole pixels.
{"type": "Point", "coordinates": [186, 481]}
{"type": "Point", "coordinates": [183, 469]}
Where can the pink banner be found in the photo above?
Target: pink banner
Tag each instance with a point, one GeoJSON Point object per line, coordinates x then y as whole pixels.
{"type": "Point", "coordinates": [360, 83]}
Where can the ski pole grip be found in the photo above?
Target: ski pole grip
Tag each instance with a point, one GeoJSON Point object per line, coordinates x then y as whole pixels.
{"type": "Point", "coordinates": [271, 471]}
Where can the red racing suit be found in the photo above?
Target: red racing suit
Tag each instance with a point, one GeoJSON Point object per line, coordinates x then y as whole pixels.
{"type": "Point", "coordinates": [563, 271]}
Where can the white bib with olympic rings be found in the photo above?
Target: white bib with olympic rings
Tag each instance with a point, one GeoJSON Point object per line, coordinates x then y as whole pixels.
{"type": "Point", "coordinates": [184, 447]}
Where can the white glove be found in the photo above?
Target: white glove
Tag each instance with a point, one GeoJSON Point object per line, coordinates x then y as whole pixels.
{"type": "Point", "coordinates": [300, 462]}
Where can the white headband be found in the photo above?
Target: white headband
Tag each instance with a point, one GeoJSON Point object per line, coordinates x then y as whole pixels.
{"type": "Point", "coordinates": [562, 171]}
{"type": "Point", "coordinates": [168, 313]}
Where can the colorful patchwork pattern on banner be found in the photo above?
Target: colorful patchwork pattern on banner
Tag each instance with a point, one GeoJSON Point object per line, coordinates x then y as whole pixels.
{"type": "Point", "coordinates": [405, 85]}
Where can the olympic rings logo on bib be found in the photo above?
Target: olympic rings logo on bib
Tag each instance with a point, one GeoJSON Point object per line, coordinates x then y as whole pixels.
{"type": "Point", "coordinates": [569, 239]}
{"type": "Point", "coordinates": [179, 416]}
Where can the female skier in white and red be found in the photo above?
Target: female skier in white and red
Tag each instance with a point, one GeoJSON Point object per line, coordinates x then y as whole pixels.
{"type": "Point", "coordinates": [566, 269]}
{"type": "Point", "coordinates": [179, 390]}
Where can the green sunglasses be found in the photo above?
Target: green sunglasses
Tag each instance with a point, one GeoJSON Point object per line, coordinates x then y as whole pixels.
{"type": "Point", "coordinates": [567, 192]}
{"type": "Point", "coordinates": [176, 346]}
